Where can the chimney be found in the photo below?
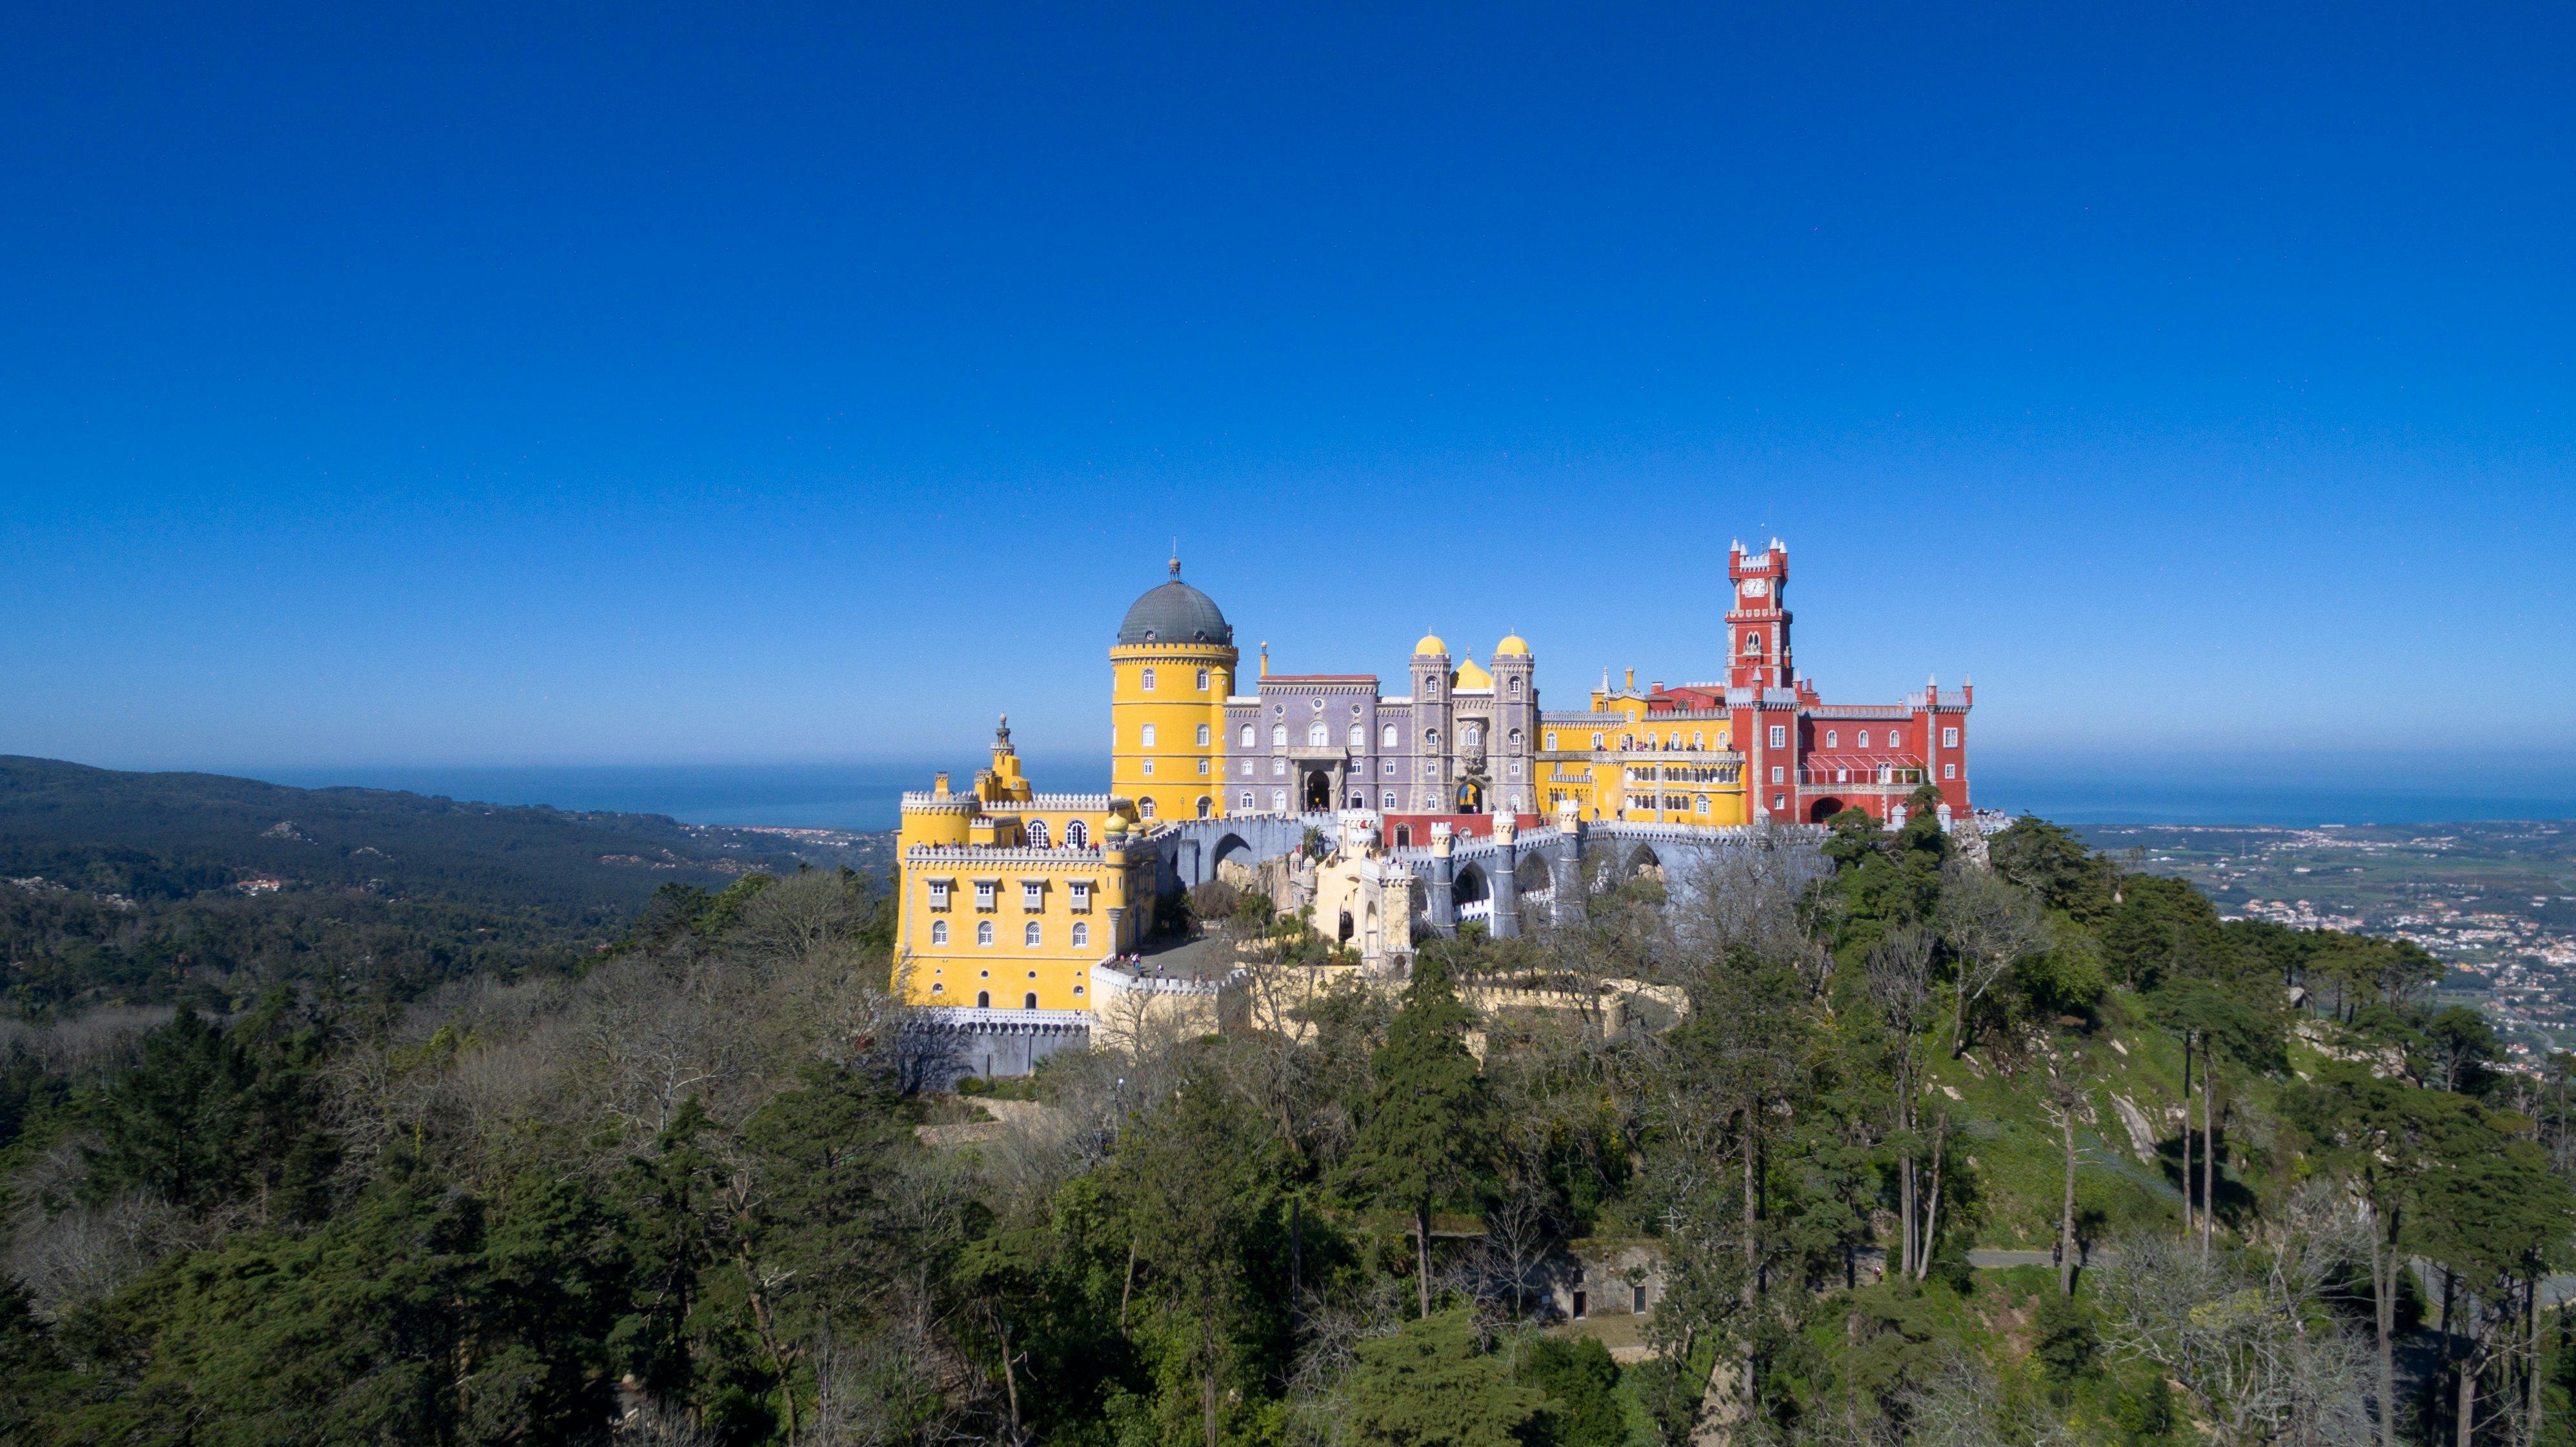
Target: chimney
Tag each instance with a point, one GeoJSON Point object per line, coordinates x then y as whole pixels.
{"type": "Point", "coordinates": [1632, 681]}
{"type": "Point", "coordinates": [1655, 687]}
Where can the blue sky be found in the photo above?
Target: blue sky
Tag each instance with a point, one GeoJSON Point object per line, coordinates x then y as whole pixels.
{"type": "Point", "coordinates": [544, 385]}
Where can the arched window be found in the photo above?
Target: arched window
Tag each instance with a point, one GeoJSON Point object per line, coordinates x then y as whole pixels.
{"type": "Point", "coordinates": [1864, 738]}
{"type": "Point", "coordinates": [1279, 736]}
{"type": "Point", "coordinates": [1081, 935]}
{"type": "Point", "coordinates": [1246, 803]}
{"type": "Point", "coordinates": [1204, 736]}
{"type": "Point", "coordinates": [1249, 738]}
{"type": "Point", "coordinates": [1359, 737]}
{"type": "Point", "coordinates": [1077, 834]}
{"type": "Point", "coordinates": [1471, 736]}
{"type": "Point", "coordinates": [1388, 801]}
{"type": "Point", "coordinates": [1149, 680]}
{"type": "Point", "coordinates": [1752, 642]}
{"type": "Point", "coordinates": [1203, 806]}
{"type": "Point", "coordinates": [1203, 680]}
{"type": "Point", "coordinates": [1833, 738]}
{"type": "Point", "coordinates": [1627, 742]}
{"type": "Point", "coordinates": [1695, 741]}
{"type": "Point", "coordinates": [1278, 768]}
{"type": "Point", "coordinates": [1318, 735]}
{"type": "Point", "coordinates": [984, 932]}
{"type": "Point", "coordinates": [1430, 686]}
{"type": "Point", "coordinates": [1147, 736]}
{"type": "Point", "coordinates": [1388, 738]}
{"type": "Point", "coordinates": [1516, 688]}
{"type": "Point", "coordinates": [939, 932]}
{"type": "Point", "coordinates": [1278, 801]}
{"type": "Point", "coordinates": [1516, 738]}
{"type": "Point", "coordinates": [1037, 834]}
{"type": "Point", "coordinates": [1596, 741]}
{"type": "Point", "coordinates": [983, 999]}
{"type": "Point", "coordinates": [1145, 807]}
{"type": "Point", "coordinates": [1031, 936]}
{"type": "Point", "coordinates": [1896, 738]}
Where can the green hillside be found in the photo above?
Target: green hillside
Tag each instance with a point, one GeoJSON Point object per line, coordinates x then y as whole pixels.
{"type": "Point", "coordinates": [142, 887]}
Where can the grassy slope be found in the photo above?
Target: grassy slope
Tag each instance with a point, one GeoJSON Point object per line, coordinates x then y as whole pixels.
{"type": "Point", "coordinates": [2018, 1167]}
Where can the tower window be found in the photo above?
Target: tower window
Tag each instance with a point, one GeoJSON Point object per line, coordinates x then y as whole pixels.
{"type": "Point", "coordinates": [1146, 736]}
{"type": "Point", "coordinates": [1149, 768]}
{"type": "Point", "coordinates": [984, 932]}
{"type": "Point", "coordinates": [1279, 736]}
{"type": "Point", "coordinates": [1949, 771]}
{"type": "Point", "coordinates": [1516, 688]}
{"type": "Point", "coordinates": [1949, 738]}
{"type": "Point", "coordinates": [1473, 736]}
{"type": "Point", "coordinates": [1779, 736]}
{"type": "Point", "coordinates": [1148, 683]}
{"type": "Point", "coordinates": [1389, 800]}
{"type": "Point", "coordinates": [1431, 739]}
{"type": "Point", "coordinates": [1204, 735]}
{"type": "Point", "coordinates": [1551, 741]}
{"type": "Point", "coordinates": [1203, 680]}
{"type": "Point", "coordinates": [1203, 766]}
{"type": "Point", "coordinates": [1516, 738]}
{"type": "Point", "coordinates": [939, 932]}
{"type": "Point", "coordinates": [1390, 768]}
{"type": "Point", "coordinates": [1317, 735]}
{"type": "Point", "coordinates": [1247, 801]}
{"type": "Point", "coordinates": [1278, 768]}
{"type": "Point", "coordinates": [1388, 738]}
{"type": "Point", "coordinates": [1430, 687]}
{"type": "Point", "coordinates": [1249, 738]}
{"type": "Point", "coordinates": [1778, 773]}
{"type": "Point", "coordinates": [1359, 737]}
{"type": "Point", "coordinates": [1279, 801]}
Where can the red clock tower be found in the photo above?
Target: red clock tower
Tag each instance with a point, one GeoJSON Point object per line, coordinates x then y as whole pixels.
{"type": "Point", "coordinates": [1757, 627]}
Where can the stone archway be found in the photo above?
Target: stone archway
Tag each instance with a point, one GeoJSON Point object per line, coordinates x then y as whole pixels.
{"type": "Point", "coordinates": [1319, 791]}
{"type": "Point", "coordinates": [1825, 809]}
{"type": "Point", "coordinates": [1645, 862]}
{"type": "Point", "coordinates": [1469, 887]}
{"type": "Point", "coordinates": [1471, 798]}
{"type": "Point", "coordinates": [1531, 875]}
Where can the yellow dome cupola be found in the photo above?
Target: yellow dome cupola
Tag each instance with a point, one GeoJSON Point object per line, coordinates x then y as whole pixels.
{"type": "Point", "coordinates": [1431, 643]}
{"type": "Point", "coordinates": [1514, 646]}
{"type": "Point", "coordinates": [1467, 677]}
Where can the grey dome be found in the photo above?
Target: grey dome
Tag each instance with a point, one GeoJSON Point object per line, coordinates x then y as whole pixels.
{"type": "Point", "coordinates": [1175, 613]}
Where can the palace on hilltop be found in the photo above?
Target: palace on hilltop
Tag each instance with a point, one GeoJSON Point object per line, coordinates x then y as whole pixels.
{"type": "Point", "coordinates": [1017, 900]}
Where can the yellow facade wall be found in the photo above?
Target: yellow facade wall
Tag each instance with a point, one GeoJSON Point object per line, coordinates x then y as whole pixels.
{"type": "Point", "coordinates": [1167, 724]}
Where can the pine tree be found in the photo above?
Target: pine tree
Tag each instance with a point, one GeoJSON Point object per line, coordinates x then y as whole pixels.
{"type": "Point", "coordinates": [1430, 1131]}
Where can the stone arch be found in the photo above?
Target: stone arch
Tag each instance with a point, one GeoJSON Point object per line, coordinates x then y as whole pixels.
{"type": "Point", "coordinates": [1368, 929]}
{"type": "Point", "coordinates": [1471, 797]}
{"type": "Point", "coordinates": [1530, 875]}
{"type": "Point", "coordinates": [1319, 790]}
{"type": "Point", "coordinates": [1825, 809]}
{"type": "Point", "coordinates": [1347, 928]}
{"type": "Point", "coordinates": [1644, 861]}
{"type": "Point", "coordinates": [1470, 886]}
{"type": "Point", "coordinates": [983, 999]}
{"type": "Point", "coordinates": [1231, 846]}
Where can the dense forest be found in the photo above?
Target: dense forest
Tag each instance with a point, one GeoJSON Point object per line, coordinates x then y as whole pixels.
{"type": "Point", "coordinates": [128, 889]}
{"type": "Point", "coordinates": [689, 1189]}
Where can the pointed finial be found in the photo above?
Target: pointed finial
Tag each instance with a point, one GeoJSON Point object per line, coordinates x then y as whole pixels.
{"type": "Point", "coordinates": [1176, 557]}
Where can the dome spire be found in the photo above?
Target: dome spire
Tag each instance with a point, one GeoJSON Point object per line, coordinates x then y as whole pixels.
{"type": "Point", "coordinates": [1176, 557]}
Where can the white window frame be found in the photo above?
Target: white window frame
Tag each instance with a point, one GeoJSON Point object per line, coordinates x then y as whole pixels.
{"type": "Point", "coordinates": [1204, 736]}
{"type": "Point", "coordinates": [983, 934]}
{"type": "Point", "coordinates": [1081, 941]}
{"type": "Point", "coordinates": [1146, 684]}
{"type": "Point", "coordinates": [1203, 680]}
{"type": "Point", "coordinates": [1779, 736]}
{"type": "Point", "coordinates": [939, 893]}
{"type": "Point", "coordinates": [1032, 937]}
{"type": "Point", "coordinates": [985, 892]}
{"type": "Point", "coordinates": [939, 932]}
{"type": "Point", "coordinates": [1949, 738]}
{"type": "Point", "coordinates": [1032, 896]}
{"type": "Point", "coordinates": [1251, 739]}
{"type": "Point", "coordinates": [1145, 736]}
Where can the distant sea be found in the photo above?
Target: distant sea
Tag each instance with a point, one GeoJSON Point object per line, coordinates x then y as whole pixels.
{"type": "Point", "coordinates": [2188, 789]}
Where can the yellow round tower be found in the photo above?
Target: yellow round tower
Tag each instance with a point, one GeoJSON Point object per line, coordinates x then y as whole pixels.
{"type": "Point", "coordinates": [1169, 674]}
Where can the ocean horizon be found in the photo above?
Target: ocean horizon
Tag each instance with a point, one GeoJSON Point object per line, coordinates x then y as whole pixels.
{"type": "Point", "coordinates": [868, 795]}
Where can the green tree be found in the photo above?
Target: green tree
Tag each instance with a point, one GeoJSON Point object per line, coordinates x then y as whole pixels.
{"type": "Point", "coordinates": [1582, 1384]}
{"type": "Point", "coordinates": [1429, 1134]}
{"type": "Point", "coordinates": [1432, 1385]}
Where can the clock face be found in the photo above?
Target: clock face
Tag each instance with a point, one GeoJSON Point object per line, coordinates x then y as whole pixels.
{"type": "Point", "coordinates": [1756, 587]}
